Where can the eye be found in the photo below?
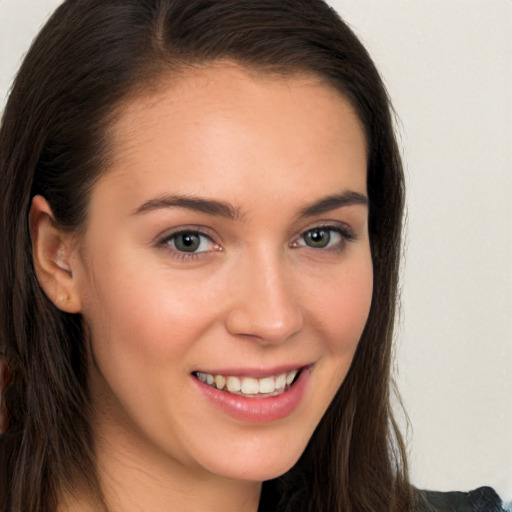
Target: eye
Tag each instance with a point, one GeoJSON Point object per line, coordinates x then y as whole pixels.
{"type": "Point", "coordinates": [325, 237]}
{"type": "Point", "coordinates": [320, 238]}
{"type": "Point", "coordinates": [189, 242]}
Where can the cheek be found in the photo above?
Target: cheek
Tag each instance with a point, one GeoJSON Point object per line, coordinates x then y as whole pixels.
{"type": "Point", "coordinates": [144, 329]}
{"type": "Point", "coordinates": [344, 305]}
{"type": "Point", "coordinates": [147, 314]}
{"type": "Point", "coordinates": [343, 310]}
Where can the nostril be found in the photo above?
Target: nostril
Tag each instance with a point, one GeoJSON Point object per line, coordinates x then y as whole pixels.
{"type": "Point", "coordinates": [264, 304]}
{"type": "Point", "coordinates": [267, 324]}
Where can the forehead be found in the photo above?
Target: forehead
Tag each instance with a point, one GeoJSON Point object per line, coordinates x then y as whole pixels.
{"type": "Point", "coordinates": [223, 124]}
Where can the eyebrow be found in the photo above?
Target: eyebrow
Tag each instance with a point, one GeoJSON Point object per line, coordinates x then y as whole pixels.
{"type": "Point", "coordinates": [334, 202]}
{"type": "Point", "coordinates": [224, 209]}
{"type": "Point", "coordinates": [198, 204]}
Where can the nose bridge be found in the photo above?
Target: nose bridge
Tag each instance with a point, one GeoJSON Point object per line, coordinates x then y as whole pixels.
{"type": "Point", "coordinates": [264, 304]}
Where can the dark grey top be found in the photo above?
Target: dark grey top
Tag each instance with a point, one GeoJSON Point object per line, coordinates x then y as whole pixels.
{"type": "Point", "coordinates": [483, 499]}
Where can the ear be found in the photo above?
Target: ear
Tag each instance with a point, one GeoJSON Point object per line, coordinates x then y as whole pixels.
{"type": "Point", "coordinates": [52, 251]}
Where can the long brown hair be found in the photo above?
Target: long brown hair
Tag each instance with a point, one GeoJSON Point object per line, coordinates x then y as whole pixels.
{"type": "Point", "coordinates": [90, 58]}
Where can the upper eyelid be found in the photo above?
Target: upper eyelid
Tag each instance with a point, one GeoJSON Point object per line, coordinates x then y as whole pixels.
{"type": "Point", "coordinates": [339, 226]}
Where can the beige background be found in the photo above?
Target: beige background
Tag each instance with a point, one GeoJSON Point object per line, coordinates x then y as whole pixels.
{"type": "Point", "coordinates": [448, 67]}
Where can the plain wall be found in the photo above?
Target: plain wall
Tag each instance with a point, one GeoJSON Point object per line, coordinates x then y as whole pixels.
{"type": "Point", "coordinates": [448, 68]}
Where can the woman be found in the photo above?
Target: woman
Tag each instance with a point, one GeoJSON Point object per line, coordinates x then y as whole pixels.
{"type": "Point", "coordinates": [201, 228]}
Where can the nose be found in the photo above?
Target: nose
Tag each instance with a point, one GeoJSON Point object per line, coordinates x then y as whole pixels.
{"type": "Point", "coordinates": [263, 305]}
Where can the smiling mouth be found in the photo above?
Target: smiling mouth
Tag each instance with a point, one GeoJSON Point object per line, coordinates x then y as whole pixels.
{"type": "Point", "coordinates": [250, 387]}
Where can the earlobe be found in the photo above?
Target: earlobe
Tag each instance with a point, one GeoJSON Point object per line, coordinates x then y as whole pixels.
{"type": "Point", "coordinates": [52, 252]}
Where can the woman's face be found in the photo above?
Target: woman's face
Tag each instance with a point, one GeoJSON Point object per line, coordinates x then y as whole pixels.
{"type": "Point", "coordinates": [225, 274]}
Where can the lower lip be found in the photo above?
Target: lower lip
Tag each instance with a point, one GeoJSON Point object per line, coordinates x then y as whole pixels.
{"type": "Point", "coordinates": [257, 410]}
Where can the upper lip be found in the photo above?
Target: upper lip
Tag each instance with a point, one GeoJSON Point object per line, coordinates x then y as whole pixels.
{"type": "Point", "coordinates": [255, 372]}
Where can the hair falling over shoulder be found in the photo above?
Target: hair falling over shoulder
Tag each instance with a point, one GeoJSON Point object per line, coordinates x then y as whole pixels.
{"type": "Point", "coordinates": [89, 58]}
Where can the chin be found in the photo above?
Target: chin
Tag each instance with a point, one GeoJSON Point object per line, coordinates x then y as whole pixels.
{"type": "Point", "coordinates": [258, 472]}
{"type": "Point", "coordinates": [256, 463]}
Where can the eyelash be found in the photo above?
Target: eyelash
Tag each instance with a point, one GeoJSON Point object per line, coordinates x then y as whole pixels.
{"type": "Point", "coordinates": [345, 233]}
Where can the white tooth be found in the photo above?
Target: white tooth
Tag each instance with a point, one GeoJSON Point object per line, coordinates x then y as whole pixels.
{"type": "Point", "coordinates": [281, 381]}
{"type": "Point", "coordinates": [249, 386]}
{"type": "Point", "coordinates": [233, 384]}
{"type": "Point", "coordinates": [267, 385]}
{"type": "Point", "coordinates": [291, 376]}
{"type": "Point", "coordinates": [209, 379]}
{"type": "Point", "coordinates": [201, 376]}
{"type": "Point", "coordinates": [220, 381]}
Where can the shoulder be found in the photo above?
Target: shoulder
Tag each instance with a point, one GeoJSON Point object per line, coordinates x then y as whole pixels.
{"type": "Point", "coordinates": [483, 499]}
